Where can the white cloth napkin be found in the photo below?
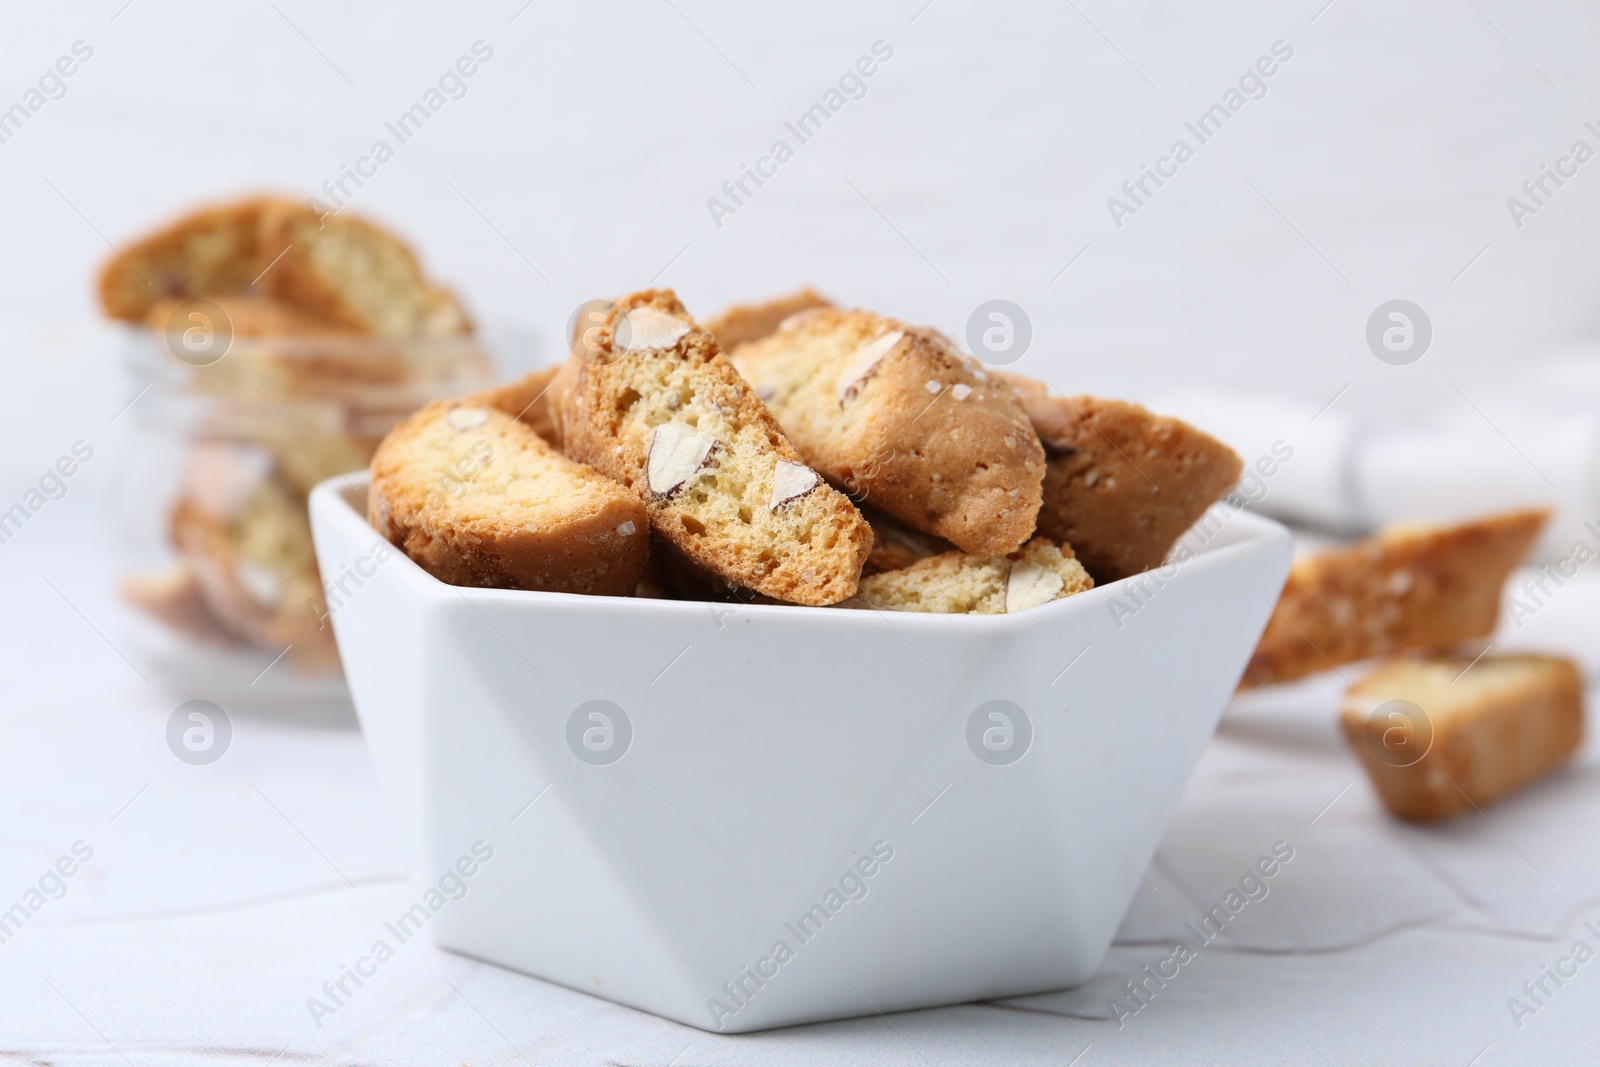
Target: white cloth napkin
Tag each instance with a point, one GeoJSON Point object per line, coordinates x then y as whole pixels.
{"type": "Point", "coordinates": [1537, 443]}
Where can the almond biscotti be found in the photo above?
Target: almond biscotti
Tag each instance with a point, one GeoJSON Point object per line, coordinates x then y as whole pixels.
{"type": "Point", "coordinates": [351, 271]}
{"type": "Point", "coordinates": [743, 323]}
{"type": "Point", "coordinates": [656, 406]}
{"type": "Point", "coordinates": [1440, 736]}
{"type": "Point", "coordinates": [477, 498]}
{"type": "Point", "coordinates": [894, 414]}
{"type": "Point", "coordinates": [1410, 587]}
{"type": "Point", "coordinates": [216, 249]}
{"type": "Point", "coordinates": [957, 583]}
{"type": "Point", "coordinates": [245, 536]}
{"type": "Point", "coordinates": [1122, 483]}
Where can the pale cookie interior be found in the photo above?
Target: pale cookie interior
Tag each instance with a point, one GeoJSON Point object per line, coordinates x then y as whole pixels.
{"type": "Point", "coordinates": [956, 583]}
{"type": "Point", "coordinates": [661, 410]}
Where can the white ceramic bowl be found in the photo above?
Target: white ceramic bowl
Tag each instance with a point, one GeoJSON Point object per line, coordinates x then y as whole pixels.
{"type": "Point", "coordinates": [781, 815]}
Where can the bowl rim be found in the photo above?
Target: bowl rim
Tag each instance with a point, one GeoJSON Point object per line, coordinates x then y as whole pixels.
{"type": "Point", "coordinates": [332, 498]}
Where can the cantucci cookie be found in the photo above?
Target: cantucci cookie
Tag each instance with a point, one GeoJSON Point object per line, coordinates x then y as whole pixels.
{"type": "Point", "coordinates": [246, 537]}
{"type": "Point", "coordinates": [216, 249]}
{"type": "Point", "coordinates": [1415, 586]}
{"type": "Point", "coordinates": [1441, 736]}
{"type": "Point", "coordinates": [957, 583]}
{"type": "Point", "coordinates": [896, 415]}
{"type": "Point", "coordinates": [351, 271]}
{"type": "Point", "coordinates": [1122, 483]}
{"type": "Point", "coordinates": [654, 404]}
{"type": "Point", "coordinates": [477, 498]}
{"type": "Point", "coordinates": [743, 323]}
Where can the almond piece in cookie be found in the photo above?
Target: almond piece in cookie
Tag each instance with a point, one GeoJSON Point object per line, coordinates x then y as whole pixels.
{"type": "Point", "coordinates": [743, 323]}
{"type": "Point", "coordinates": [956, 583]}
{"type": "Point", "coordinates": [895, 414]}
{"type": "Point", "coordinates": [1410, 587]}
{"type": "Point", "coordinates": [655, 405]}
{"type": "Point", "coordinates": [351, 271]}
{"type": "Point", "coordinates": [1122, 483]}
{"type": "Point", "coordinates": [477, 498]}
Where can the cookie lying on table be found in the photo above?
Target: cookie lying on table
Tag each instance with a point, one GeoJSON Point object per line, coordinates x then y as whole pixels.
{"type": "Point", "coordinates": [477, 498]}
{"type": "Point", "coordinates": [895, 412]}
{"type": "Point", "coordinates": [1462, 733]}
{"type": "Point", "coordinates": [655, 405]}
{"type": "Point", "coordinates": [1122, 483]}
{"type": "Point", "coordinates": [957, 583]}
{"type": "Point", "coordinates": [1414, 586]}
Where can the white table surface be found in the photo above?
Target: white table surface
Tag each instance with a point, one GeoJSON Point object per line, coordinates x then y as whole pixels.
{"type": "Point", "coordinates": [218, 898]}
{"type": "Point", "coordinates": [978, 165]}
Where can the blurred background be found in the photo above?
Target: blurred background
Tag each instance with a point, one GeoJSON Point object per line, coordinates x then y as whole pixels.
{"type": "Point", "coordinates": [978, 164]}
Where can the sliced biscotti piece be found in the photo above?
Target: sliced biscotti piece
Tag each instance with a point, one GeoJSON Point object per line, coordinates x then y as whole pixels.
{"type": "Point", "coordinates": [1439, 736]}
{"type": "Point", "coordinates": [743, 323]}
{"type": "Point", "coordinates": [896, 413]}
{"type": "Point", "coordinates": [351, 271]}
{"type": "Point", "coordinates": [477, 498]}
{"type": "Point", "coordinates": [210, 251]}
{"type": "Point", "coordinates": [1409, 587]}
{"type": "Point", "coordinates": [530, 399]}
{"type": "Point", "coordinates": [957, 583]}
{"type": "Point", "coordinates": [244, 534]}
{"type": "Point", "coordinates": [1122, 483]}
{"type": "Point", "coordinates": [654, 404]}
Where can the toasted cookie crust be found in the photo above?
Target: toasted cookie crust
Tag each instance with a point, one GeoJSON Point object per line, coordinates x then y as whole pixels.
{"type": "Point", "coordinates": [351, 271]}
{"type": "Point", "coordinates": [477, 498]}
{"type": "Point", "coordinates": [896, 415]}
{"type": "Point", "coordinates": [1122, 483]}
{"type": "Point", "coordinates": [1411, 587]}
{"type": "Point", "coordinates": [1486, 728]}
{"type": "Point", "coordinates": [654, 404]}
{"type": "Point", "coordinates": [215, 249]}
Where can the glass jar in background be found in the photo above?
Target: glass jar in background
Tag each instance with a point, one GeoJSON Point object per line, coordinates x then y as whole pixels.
{"type": "Point", "coordinates": [227, 439]}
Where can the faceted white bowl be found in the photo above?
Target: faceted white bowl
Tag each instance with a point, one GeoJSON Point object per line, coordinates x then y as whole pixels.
{"type": "Point", "coordinates": [770, 756]}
